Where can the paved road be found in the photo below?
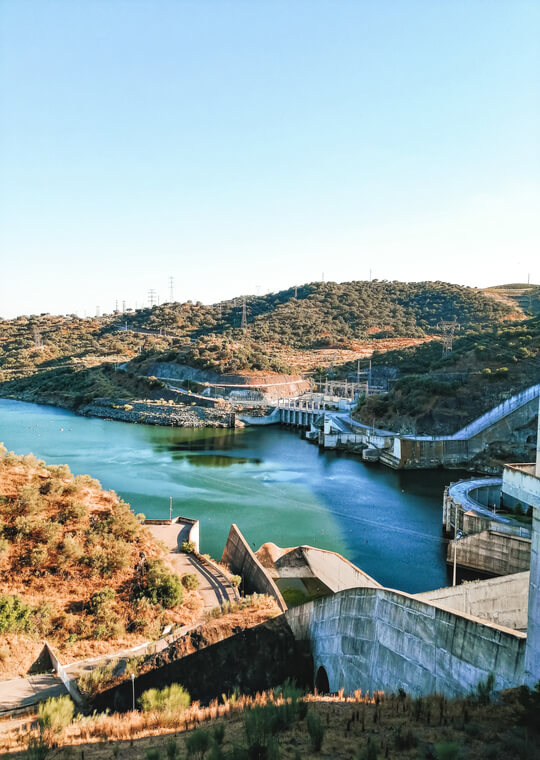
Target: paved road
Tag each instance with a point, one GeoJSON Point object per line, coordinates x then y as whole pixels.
{"type": "Point", "coordinates": [19, 693]}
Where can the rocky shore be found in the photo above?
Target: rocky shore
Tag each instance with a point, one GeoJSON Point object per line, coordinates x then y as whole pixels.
{"type": "Point", "coordinates": [159, 413]}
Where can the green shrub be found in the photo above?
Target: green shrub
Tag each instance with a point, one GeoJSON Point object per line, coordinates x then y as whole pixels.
{"type": "Point", "coordinates": [484, 690]}
{"type": "Point", "coordinates": [369, 752]}
{"type": "Point", "coordinates": [447, 751]}
{"type": "Point", "coordinates": [55, 714]}
{"type": "Point", "coordinates": [152, 754]}
{"type": "Point", "coordinates": [316, 731]}
{"type": "Point", "coordinates": [190, 581]}
{"type": "Point", "coordinates": [236, 580]}
{"type": "Point", "coordinates": [100, 601]}
{"type": "Point", "coordinates": [161, 586]}
{"type": "Point", "coordinates": [29, 500]}
{"type": "Point", "coordinates": [405, 738]}
{"type": "Point", "coordinates": [198, 743]}
{"type": "Point", "coordinates": [96, 680]}
{"type": "Point", "coordinates": [38, 749]}
{"type": "Point", "coordinates": [15, 615]}
{"type": "Point", "coordinates": [39, 556]}
{"type": "Point", "coordinates": [188, 547]}
{"type": "Point", "coordinates": [219, 733]}
{"type": "Point", "coordinates": [172, 698]}
{"type": "Point", "coordinates": [172, 748]}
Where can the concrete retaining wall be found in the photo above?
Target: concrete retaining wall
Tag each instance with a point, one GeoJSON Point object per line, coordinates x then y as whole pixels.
{"type": "Point", "coordinates": [499, 600]}
{"type": "Point", "coordinates": [492, 552]}
{"type": "Point", "coordinates": [242, 561]}
{"type": "Point", "coordinates": [256, 659]}
{"type": "Point", "coordinates": [373, 639]}
{"type": "Point", "coordinates": [499, 424]}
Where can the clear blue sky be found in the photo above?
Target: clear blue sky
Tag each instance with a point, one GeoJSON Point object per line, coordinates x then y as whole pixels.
{"type": "Point", "coordinates": [245, 144]}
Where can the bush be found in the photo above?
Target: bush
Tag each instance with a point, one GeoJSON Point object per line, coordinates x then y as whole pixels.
{"type": "Point", "coordinates": [188, 547]}
{"type": "Point", "coordinates": [38, 749]}
{"type": "Point", "coordinates": [55, 714]}
{"type": "Point", "coordinates": [484, 690]}
{"type": "Point", "coordinates": [172, 748]}
{"type": "Point", "coordinates": [15, 615]}
{"type": "Point", "coordinates": [172, 698]}
{"type": "Point", "coordinates": [162, 587]}
{"type": "Point", "coordinates": [316, 731]}
{"type": "Point", "coordinates": [190, 581]}
{"type": "Point", "coordinates": [369, 752]}
{"type": "Point", "coordinates": [198, 743]}
{"type": "Point", "coordinates": [447, 751]}
{"type": "Point", "coordinates": [152, 754]}
{"type": "Point", "coordinates": [100, 600]}
{"type": "Point", "coordinates": [94, 681]}
{"type": "Point", "coordinates": [219, 733]}
{"type": "Point", "coordinates": [405, 738]}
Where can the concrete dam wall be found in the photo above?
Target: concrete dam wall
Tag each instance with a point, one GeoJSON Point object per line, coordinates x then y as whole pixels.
{"type": "Point", "coordinates": [378, 639]}
{"type": "Point", "coordinates": [242, 561]}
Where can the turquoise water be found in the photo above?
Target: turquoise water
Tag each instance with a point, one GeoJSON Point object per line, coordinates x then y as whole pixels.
{"type": "Point", "coordinates": [274, 485]}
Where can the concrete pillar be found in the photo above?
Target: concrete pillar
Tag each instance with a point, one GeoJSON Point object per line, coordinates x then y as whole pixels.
{"type": "Point", "coordinates": [532, 651]}
{"type": "Point", "coordinates": [538, 447]}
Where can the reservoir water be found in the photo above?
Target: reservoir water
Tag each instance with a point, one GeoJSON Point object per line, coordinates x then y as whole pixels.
{"type": "Point", "coordinates": [274, 485]}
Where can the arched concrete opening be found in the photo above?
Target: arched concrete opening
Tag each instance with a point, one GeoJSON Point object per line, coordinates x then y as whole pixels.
{"type": "Point", "coordinates": [321, 681]}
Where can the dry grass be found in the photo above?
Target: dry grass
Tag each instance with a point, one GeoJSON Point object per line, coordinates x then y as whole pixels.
{"type": "Point", "coordinates": [312, 359]}
{"type": "Point", "coordinates": [36, 525]}
{"type": "Point", "coordinates": [490, 731]}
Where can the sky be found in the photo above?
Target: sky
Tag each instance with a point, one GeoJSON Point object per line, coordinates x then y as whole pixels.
{"type": "Point", "coordinates": [245, 146]}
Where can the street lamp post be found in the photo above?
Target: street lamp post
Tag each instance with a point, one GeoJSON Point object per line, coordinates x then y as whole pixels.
{"type": "Point", "coordinates": [133, 689]}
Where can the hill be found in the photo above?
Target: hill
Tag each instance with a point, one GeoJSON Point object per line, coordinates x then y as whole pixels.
{"type": "Point", "coordinates": [437, 394]}
{"type": "Point", "coordinates": [320, 314]}
{"type": "Point", "coordinates": [71, 568]}
{"type": "Point", "coordinates": [299, 329]}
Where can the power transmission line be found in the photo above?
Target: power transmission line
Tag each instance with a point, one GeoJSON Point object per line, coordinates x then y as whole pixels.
{"type": "Point", "coordinates": [152, 297]}
{"type": "Point", "coordinates": [448, 330]}
{"type": "Point", "coordinates": [171, 289]}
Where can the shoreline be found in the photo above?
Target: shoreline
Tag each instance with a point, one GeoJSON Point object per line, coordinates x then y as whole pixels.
{"type": "Point", "coordinates": [163, 414]}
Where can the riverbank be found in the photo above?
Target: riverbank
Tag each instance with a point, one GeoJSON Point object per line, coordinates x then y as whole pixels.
{"type": "Point", "coordinates": [147, 412]}
{"type": "Point", "coordinates": [159, 413]}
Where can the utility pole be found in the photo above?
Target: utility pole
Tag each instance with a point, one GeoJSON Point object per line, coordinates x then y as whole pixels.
{"type": "Point", "coordinates": [455, 545]}
{"type": "Point", "coordinates": [171, 289]}
{"type": "Point", "coordinates": [295, 292]}
{"type": "Point", "coordinates": [448, 330]}
{"type": "Point", "coordinates": [151, 297]}
{"type": "Point", "coordinates": [116, 306]}
{"type": "Point", "coordinates": [244, 315]}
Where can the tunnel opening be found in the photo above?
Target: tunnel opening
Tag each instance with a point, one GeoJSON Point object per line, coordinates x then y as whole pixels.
{"type": "Point", "coordinates": [321, 681]}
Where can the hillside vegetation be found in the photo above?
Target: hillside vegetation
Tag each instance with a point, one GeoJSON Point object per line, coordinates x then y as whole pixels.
{"type": "Point", "coordinates": [438, 394]}
{"type": "Point", "coordinates": [332, 313]}
{"type": "Point", "coordinates": [68, 361]}
{"type": "Point", "coordinates": [77, 567]}
{"type": "Point", "coordinates": [283, 723]}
